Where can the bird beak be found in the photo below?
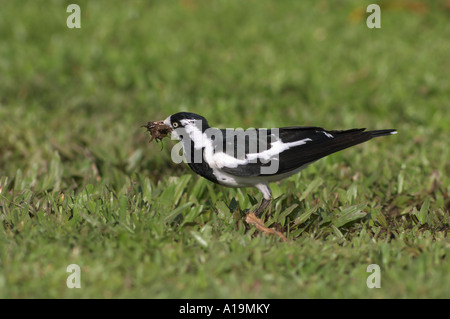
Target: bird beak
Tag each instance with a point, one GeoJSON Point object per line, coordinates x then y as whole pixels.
{"type": "Point", "coordinates": [158, 130]}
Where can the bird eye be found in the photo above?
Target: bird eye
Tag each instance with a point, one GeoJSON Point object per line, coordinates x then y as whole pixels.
{"type": "Point", "coordinates": [175, 124]}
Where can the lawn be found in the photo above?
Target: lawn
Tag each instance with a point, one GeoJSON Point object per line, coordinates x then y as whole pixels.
{"type": "Point", "coordinates": [80, 184]}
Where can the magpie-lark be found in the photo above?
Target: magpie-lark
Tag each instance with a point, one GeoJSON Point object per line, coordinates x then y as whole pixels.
{"type": "Point", "coordinates": [257, 157]}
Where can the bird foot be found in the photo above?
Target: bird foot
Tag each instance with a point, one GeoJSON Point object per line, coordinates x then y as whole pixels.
{"type": "Point", "coordinates": [259, 224]}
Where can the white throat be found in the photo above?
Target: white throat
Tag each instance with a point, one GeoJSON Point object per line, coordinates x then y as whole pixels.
{"type": "Point", "coordinates": [194, 130]}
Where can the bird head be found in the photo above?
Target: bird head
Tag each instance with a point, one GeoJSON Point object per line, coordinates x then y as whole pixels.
{"type": "Point", "coordinates": [185, 123]}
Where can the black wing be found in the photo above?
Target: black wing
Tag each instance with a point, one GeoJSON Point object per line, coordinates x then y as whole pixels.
{"type": "Point", "coordinates": [315, 143]}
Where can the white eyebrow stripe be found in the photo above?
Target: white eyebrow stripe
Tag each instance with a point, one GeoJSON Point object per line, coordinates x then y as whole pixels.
{"type": "Point", "coordinates": [187, 121]}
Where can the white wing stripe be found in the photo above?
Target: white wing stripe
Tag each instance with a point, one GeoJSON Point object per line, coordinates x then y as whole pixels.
{"type": "Point", "coordinates": [222, 159]}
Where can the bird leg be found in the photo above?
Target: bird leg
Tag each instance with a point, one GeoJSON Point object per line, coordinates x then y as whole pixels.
{"type": "Point", "coordinates": [262, 207]}
{"type": "Point", "coordinates": [253, 219]}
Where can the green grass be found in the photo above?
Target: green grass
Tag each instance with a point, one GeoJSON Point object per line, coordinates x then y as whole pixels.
{"type": "Point", "coordinates": [79, 183]}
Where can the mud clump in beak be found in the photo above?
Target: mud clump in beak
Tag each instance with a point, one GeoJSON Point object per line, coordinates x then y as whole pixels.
{"type": "Point", "coordinates": [158, 130]}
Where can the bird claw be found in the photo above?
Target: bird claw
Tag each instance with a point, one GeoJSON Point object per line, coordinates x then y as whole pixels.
{"type": "Point", "coordinates": [259, 224]}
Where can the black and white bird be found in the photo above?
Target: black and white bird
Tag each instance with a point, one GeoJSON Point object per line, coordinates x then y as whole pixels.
{"type": "Point", "coordinates": [257, 157]}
